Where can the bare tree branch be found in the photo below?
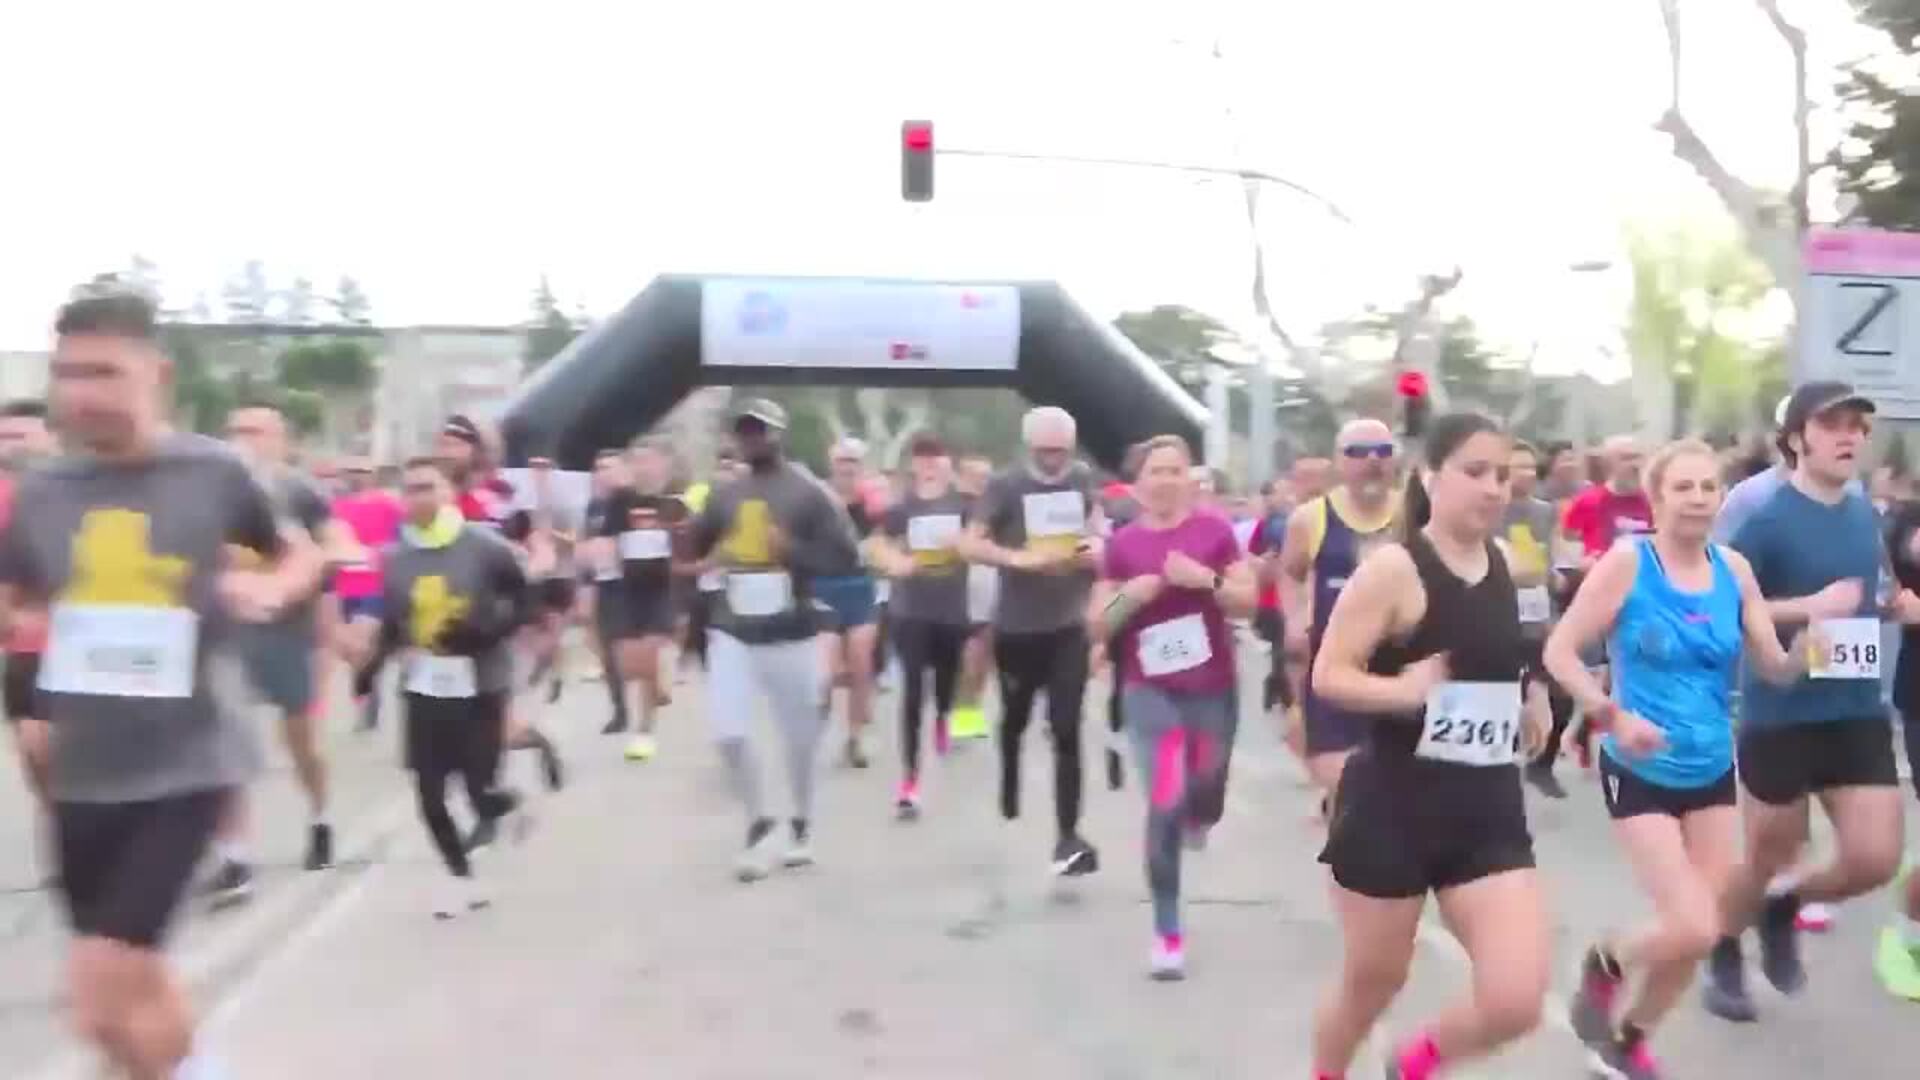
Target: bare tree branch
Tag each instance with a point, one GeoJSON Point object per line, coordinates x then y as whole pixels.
{"type": "Point", "coordinates": [1262, 306]}
{"type": "Point", "coordinates": [1670, 13]}
{"type": "Point", "coordinates": [1796, 40]}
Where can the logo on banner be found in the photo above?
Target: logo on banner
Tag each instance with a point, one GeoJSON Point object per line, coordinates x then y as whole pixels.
{"type": "Point", "coordinates": [900, 350]}
{"type": "Point", "coordinates": [760, 313]}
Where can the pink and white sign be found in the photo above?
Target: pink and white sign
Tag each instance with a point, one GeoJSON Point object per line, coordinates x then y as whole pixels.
{"type": "Point", "coordinates": [1860, 315]}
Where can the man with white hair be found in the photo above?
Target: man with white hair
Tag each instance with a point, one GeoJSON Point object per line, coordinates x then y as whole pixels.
{"type": "Point", "coordinates": [1326, 539]}
{"type": "Point", "coordinates": [1039, 522]}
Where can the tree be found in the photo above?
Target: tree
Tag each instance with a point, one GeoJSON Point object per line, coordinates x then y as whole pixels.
{"type": "Point", "coordinates": [201, 399]}
{"type": "Point", "coordinates": [335, 376]}
{"type": "Point", "coordinates": [1179, 339]}
{"type": "Point", "coordinates": [297, 302]}
{"type": "Point", "coordinates": [1878, 160]}
{"type": "Point", "coordinates": [350, 304]}
{"type": "Point", "coordinates": [246, 295]}
{"type": "Point", "coordinates": [551, 330]}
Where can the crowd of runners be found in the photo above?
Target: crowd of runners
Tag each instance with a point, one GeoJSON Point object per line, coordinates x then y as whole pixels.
{"type": "Point", "coordinates": [1438, 623]}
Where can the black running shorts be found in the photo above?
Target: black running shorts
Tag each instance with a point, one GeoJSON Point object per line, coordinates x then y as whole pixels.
{"type": "Point", "coordinates": [1403, 827]}
{"type": "Point", "coordinates": [1629, 795]}
{"type": "Point", "coordinates": [125, 866]}
{"type": "Point", "coordinates": [1780, 765]}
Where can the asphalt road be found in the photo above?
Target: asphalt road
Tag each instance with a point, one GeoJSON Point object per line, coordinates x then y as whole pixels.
{"type": "Point", "coordinates": [620, 946]}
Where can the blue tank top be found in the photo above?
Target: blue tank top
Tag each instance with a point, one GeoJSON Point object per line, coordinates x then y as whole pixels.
{"type": "Point", "coordinates": [1675, 656]}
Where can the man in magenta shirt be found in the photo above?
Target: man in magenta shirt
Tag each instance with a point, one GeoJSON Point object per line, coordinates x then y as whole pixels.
{"type": "Point", "coordinates": [1171, 581]}
{"type": "Point", "coordinates": [374, 517]}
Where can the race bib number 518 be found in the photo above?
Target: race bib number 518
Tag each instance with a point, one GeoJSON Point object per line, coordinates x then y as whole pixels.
{"type": "Point", "coordinates": [1854, 652]}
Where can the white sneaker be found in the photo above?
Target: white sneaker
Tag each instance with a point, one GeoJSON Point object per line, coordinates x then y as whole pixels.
{"type": "Point", "coordinates": [641, 748]}
{"type": "Point", "coordinates": [1168, 961]}
{"type": "Point", "coordinates": [456, 896]}
{"type": "Point", "coordinates": [755, 861]}
{"type": "Point", "coordinates": [799, 852]}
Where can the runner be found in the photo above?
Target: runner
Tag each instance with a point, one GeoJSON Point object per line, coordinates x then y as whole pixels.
{"type": "Point", "coordinates": [774, 531]}
{"type": "Point", "coordinates": [1122, 507]}
{"type": "Point", "coordinates": [708, 581]}
{"type": "Point", "coordinates": [373, 515]}
{"type": "Point", "coordinates": [848, 592]}
{"type": "Point", "coordinates": [284, 657]}
{"type": "Point", "coordinates": [483, 496]}
{"type": "Point", "coordinates": [969, 721]}
{"type": "Point", "coordinates": [1040, 525]}
{"type": "Point", "coordinates": [636, 535]}
{"type": "Point", "coordinates": [1327, 539]}
{"type": "Point", "coordinates": [555, 590]}
{"type": "Point", "coordinates": [1528, 530]}
{"type": "Point", "coordinates": [601, 571]}
{"type": "Point", "coordinates": [1675, 610]}
{"type": "Point", "coordinates": [455, 596]}
{"type": "Point", "coordinates": [24, 443]}
{"type": "Point", "coordinates": [1427, 638]}
{"type": "Point", "coordinates": [1815, 550]}
{"type": "Point", "coordinates": [915, 546]}
{"type": "Point", "coordinates": [143, 692]}
{"type": "Point", "coordinates": [1172, 580]}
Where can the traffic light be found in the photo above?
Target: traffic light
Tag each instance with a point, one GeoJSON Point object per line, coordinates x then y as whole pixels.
{"type": "Point", "coordinates": [916, 161]}
{"type": "Point", "coordinates": [1415, 401]}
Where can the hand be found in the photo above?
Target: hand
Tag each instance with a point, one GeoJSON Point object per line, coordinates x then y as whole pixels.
{"type": "Point", "coordinates": [1811, 648]}
{"type": "Point", "coordinates": [1187, 572]}
{"type": "Point", "coordinates": [1536, 724]}
{"type": "Point", "coordinates": [1143, 589]}
{"type": "Point", "coordinates": [1837, 601]}
{"type": "Point", "coordinates": [251, 596]}
{"type": "Point", "coordinates": [1418, 680]}
{"type": "Point", "coordinates": [1906, 607]}
{"type": "Point", "coordinates": [1098, 659]}
{"type": "Point", "coordinates": [1636, 736]}
{"type": "Point", "coordinates": [1090, 554]}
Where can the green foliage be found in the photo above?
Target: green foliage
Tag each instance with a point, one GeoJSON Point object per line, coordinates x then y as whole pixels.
{"type": "Point", "coordinates": [305, 410]}
{"type": "Point", "coordinates": [1693, 318]}
{"type": "Point", "coordinates": [340, 366]}
{"type": "Point", "coordinates": [201, 398]}
{"type": "Point", "coordinates": [1878, 161]}
{"type": "Point", "coordinates": [1181, 340]}
{"type": "Point", "coordinates": [350, 304]}
{"type": "Point", "coordinates": [551, 331]}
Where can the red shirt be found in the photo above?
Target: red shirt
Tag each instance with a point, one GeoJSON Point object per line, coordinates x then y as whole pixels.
{"type": "Point", "coordinates": [490, 500]}
{"type": "Point", "coordinates": [1600, 515]}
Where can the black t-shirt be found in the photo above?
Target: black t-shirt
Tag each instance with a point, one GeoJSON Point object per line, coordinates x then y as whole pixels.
{"type": "Point", "coordinates": [643, 528]}
{"type": "Point", "coordinates": [927, 529]}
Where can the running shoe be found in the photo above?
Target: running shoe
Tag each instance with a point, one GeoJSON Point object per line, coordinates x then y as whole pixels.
{"type": "Point", "coordinates": [799, 851]}
{"type": "Point", "coordinates": [1780, 943]}
{"type": "Point", "coordinates": [1724, 989]}
{"type": "Point", "coordinates": [319, 846]}
{"type": "Point", "coordinates": [1074, 857]}
{"type": "Point", "coordinates": [755, 861]}
{"type": "Point", "coordinates": [1168, 960]}
{"type": "Point", "coordinates": [1814, 918]}
{"type": "Point", "coordinates": [550, 765]}
{"type": "Point", "coordinates": [456, 896]}
{"type": "Point", "coordinates": [641, 748]}
{"type": "Point", "coordinates": [969, 722]}
{"type": "Point", "coordinates": [856, 755]}
{"type": "Point", "coordinates": [1591, 1011]}
{"type": "Point", "coordinates": [906, 801]}
{"type": "Point", "coordinates": [1540, 775]}
{"type": "Point", "coordinates": [1626, 1057]}
{"type": "Point", "coordinates": [231, 884]}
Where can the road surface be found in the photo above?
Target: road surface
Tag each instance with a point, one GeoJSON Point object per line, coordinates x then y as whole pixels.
{"type": "Point", "coordinates": [620, 946]}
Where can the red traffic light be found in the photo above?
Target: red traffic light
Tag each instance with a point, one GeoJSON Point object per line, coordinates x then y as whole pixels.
{"type": "Point", "coordinates": [1411, 384]}
{"type": "Point", "coordinates": [916, 161]}
{"type": "Point", "coordinates": [917, 135]}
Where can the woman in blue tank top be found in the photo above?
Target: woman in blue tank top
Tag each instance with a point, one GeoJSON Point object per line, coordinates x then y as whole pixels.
{"type": "Point", "coordinates": [1675, 611]}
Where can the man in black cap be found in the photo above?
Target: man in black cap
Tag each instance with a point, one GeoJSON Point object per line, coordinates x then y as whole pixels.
{"type": "Point", "coordinates": [1815, 551]}
{"type": "Point", "coordinates": [772, 532]}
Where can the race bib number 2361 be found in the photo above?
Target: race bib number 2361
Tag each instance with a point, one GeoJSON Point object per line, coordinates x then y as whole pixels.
{"type": "Point", "coordinates": [1472, 723]}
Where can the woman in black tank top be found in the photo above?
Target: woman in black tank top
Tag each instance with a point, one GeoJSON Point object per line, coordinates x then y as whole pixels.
{"type": "Point", "coordinates": [1425, 640]}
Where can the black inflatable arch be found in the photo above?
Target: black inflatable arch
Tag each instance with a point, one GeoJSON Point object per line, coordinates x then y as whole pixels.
{"type": "Point", "coordinates": [626, 373]}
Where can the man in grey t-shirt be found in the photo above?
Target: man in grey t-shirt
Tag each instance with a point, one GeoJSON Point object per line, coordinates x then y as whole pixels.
{"type": "Point", "coordinates": [129, 546]}
{"type": "Point", "coordinates": [1040, 523]}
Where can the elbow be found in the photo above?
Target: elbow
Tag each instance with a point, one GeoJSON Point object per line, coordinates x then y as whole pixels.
{"type": "Point", "coordinates": [1332, 680]}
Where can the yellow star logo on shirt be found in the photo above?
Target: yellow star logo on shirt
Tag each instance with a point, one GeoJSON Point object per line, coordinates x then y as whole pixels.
{"type": "Point", "coordinates": [748, 542]}
{"type": "Point", "coordinates": [432, 608]}
{"type": "Point", "coordinates": [113, 564]}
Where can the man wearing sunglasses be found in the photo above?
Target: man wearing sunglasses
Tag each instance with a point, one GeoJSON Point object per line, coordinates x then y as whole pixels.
{"type": "Point", "coordinates": [1326, 539]}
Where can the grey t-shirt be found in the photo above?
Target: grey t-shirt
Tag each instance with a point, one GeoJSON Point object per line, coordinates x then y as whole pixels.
{"type": "Point", "coordinates": [926, 529]}
{"type": "Point", "coordinates": [1022, 512]}
{"type": "Point", "coordinates": [146, 696]}
{"type": "Point", "coordinates": [763, 601]}
{"type": "Point", "coordinates": [294, 500]}
{"type": "Point", "coordinates": [427, 588]}
{"type": "Point", "coordinates": [1528, 530]}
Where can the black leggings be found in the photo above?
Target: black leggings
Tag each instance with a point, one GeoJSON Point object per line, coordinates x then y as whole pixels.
{"type": "Point", "coordinates": [447, 737]}
{"type": "Point", "coordinates": [1054, 661]}
{"type": "Point", "coordinates": [923, 644]}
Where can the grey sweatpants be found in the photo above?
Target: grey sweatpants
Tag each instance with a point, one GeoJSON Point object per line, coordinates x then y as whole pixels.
{"type": "Point", "coordinates": [1181, 744]}
{"type": "Point", "coordinates": [789, 674]}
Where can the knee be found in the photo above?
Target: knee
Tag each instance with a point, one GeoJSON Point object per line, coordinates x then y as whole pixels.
{"type": "Point", "coordinates": [101, 981]}
{"type": "Point", "coordinates": [1375, 979]}
{"type": "Point", "coordinates": [1510, 1008]}
{"type": "Point", "coordinates": [1693, 932]}
{"type": "Point", "coordinates": [1873, 861]}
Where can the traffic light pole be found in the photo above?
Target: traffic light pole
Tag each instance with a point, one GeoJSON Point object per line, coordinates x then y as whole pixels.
{"type": "Point", "coordinates": [1165, 166]}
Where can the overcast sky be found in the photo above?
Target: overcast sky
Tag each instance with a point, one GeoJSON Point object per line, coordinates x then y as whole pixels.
{"type": "Point", "coordinates": [447, 156]}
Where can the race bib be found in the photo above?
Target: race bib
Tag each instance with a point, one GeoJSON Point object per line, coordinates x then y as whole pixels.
{"type": "Point", "coordinates": [1055, 520]}
{"type": "Point", "coordinates": [120, 650]}
{"type": "Point", "coordinates": [1534, 605]}
{"type": "Point", "coordinates": [640, 544]}
{"type": "Point", "coordinates": [430, 675]}
{"type": "Point", "coordinates": [711, 581]}
{"type": "Point", "coordinates": [1471, 723]}
{"type": "Point", "coordinates": [933, 532]}
{"type": "Point", "coordinates": [1174, 646]}
{"type": "Point", "coordinates": [1856, 650]}
{"type": "Point", "coordinates": [757, 596]}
